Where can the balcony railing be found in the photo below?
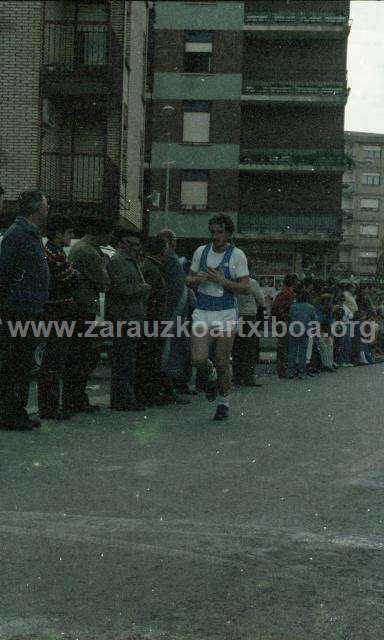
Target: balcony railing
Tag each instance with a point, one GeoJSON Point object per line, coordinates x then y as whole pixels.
{"type": "Point", "coordinates": [294, 157]}
{"type": "Point", "coordinates": [73, 178]}
{"type": "Point", "coordinates": [297, 18]}
{"type": "Point", "coordinates": [72, 45]}
{"type": "Point", "coordinates": [331, 89]}
{"type": "Point", "coordinates": [292, 225]}
{"type": "Point", "coordinates": [87, 49]}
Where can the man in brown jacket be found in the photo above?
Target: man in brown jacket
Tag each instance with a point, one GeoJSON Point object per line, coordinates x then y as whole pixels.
{"type": "Point", "coordinates": [89, 260]}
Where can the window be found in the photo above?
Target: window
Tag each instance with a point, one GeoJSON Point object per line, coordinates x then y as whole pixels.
{"type": "Point", "coordinates": [372, 153]}
{"type": "Point", "coordinates": [368, 257]}
{"type": "Point", "coordinates": [370, 178]}
{"type": "Point", "coordinates": [371, 230]}
{"type": "Point", "coordinates": [198, 52]}
{"type": "Point", "coordinates": [371, 204]}
{"type": "Point", "coordinates": [194, 190]}
{"type": "Point", "coordinates": [196, 122]}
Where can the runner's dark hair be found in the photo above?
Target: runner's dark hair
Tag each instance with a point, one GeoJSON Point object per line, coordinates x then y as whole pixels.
{"type": "Point", "coordinates": [223, 221]}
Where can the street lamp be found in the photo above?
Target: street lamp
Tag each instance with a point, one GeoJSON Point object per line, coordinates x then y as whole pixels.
{"type": "Point", "coordinates": [168, 112]}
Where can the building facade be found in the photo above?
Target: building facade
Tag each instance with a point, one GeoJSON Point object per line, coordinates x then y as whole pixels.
{"type": "Point", "coordinates": [246, 117]}
{"type": "Point", "coordinates": [363, 204]}
{"type": "Point", "coordinates": [73, 105]}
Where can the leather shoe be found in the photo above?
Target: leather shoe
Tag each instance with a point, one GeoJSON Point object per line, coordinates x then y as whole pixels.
{"type": "Point", "coordinates": [55, 415]}
{"type": "Point", "coordinates": [222, 412]}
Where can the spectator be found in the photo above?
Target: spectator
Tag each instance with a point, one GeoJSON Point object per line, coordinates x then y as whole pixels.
{"type": "Point", "coordinates": [245, 348]}
{"type": "Point", "coordinates": [301, 312]}
{"type": "Point", "coordinates": [24, 284]}
{"type": "Point", "coordinates": [280, 310]}
{"type": "Point", "coordinates": [126, 301]}
{"type": "Point", "coordinates": [148, 385]}
{"type": "Point", "coordinates": [63, 285]}
{"type": "Point", "coordinates": [176, 360]}
{"type": "Point", "coordinates": [82, 357]}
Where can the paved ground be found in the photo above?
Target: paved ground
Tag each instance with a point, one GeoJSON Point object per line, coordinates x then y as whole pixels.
{"type": "Point", "coordinates": [170, 526]}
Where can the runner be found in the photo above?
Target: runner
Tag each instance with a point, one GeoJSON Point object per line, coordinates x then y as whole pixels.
{"type": "Point", "coordinates": [221, 272]}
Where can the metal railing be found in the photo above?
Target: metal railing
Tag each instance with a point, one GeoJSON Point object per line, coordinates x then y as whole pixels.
{"type": "Point", "coordinates": [294, 157]}
{"type": "Point", "coordinates": [73, 45]}
{"type": "Point", "coordinates": [294, 225]}
{"type": "Point", "coordinates": [325, 88]}
{"type": "Point", "coordinates": [75, 177]}
{"type": "Point", "coordinates": [298, 18]}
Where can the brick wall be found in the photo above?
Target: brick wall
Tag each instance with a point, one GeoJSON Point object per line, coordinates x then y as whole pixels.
{"type": "Point", "coordinates": [20, 59]}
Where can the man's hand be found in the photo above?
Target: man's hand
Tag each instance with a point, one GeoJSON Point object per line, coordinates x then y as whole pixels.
{"type": "Point", "coordinates": [216, 276]}
{"type": "Point", "coordinates": [201, 277]}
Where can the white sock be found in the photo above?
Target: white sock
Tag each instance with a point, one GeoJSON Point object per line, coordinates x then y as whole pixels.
{"type": "Point", "coordinates": [223, 400]}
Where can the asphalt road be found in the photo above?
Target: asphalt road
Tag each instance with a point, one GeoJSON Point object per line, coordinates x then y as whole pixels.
{"type": "Point", "coordinates": [167, 525]}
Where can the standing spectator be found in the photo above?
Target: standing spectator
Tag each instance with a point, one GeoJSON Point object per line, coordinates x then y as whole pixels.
{"type": "Point", "coordinates": [24, 283]}
{"type": "Point", "coordinates": [245, 348]}
{"type": "Point", "coordinates": [126, 300]}
{"type": "Point", "coordinates": [63, 285]}
{"type": "Point", "coordinates": [82, 357]}
{"type": "Point", "coordinates": [148, 384]}
{"type": "Point", "coordinates": [280, 310]}
{"type": "Point", "coordinates": [176, 353]}
{"type": "Point", "coordinates": [324, 311]}
{"type": "Point", "coordinates": [301, 312]}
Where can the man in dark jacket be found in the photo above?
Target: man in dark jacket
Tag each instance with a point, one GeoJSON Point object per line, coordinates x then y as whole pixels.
{"type": "Point", "coordinates": [148, 384]}
{"type": "Point", "coordinates": [24, 283]}
{"type": "Point", "coordinates": [126, 302]}
{"type": "Point", "coordinates": [64, 280]}
{"type": "Point", "coordinates": [89, 260]}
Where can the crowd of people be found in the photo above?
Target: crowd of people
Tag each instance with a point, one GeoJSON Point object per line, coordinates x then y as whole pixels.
{"type": "Point", "coordinates": [167, 318]}
{"type": "Point", "coordinates": [348, 322]}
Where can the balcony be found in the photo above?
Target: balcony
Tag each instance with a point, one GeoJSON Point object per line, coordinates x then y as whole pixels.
{"type": "Point", "coordinates": [296, 91]}
{"type": "Point", "coordinates": [292, 227]}
{"type": "Point", "coordinates": [81, 58]}
{"type": "Point", "coordinates": [81, 179]}
{"type": "Point", "coordinates": [298, 23]}
{"type": "Point", "coordinates": [293, 160]}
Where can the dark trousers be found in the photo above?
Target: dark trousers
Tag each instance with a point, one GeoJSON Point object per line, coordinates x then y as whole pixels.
{"type": "Point", "coordinates": [297, 355]}
{"type": "Point", "coordinates": [282, 356]}
{"type": "Point", "coordinates": [148, 380]}
{"type": "Point", "coordinates": [15, 370]}
{"type": "Point", "coordinates": [123, 358]}
{"type": "Point", "coordinates": [245, 352]}
{"type": "Point", "coordinates": [82, 358]}
{"type": "Point", "coordinates": [51, 371]}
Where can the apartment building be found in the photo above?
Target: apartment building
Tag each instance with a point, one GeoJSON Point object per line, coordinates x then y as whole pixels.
{"type": "Point", "coordinates": [73, 106]}
{"type": "Point", "coordinates": [246, 116]}
{"type": "Point", "coordinates": [363, 204]}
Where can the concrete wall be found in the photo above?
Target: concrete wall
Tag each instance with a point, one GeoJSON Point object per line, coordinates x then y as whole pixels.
{"type": "Point", "coordinates": [134, 95]}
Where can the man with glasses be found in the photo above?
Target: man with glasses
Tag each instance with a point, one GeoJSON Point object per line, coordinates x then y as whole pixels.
{"type": "Point", "coordinates": [220, 271]}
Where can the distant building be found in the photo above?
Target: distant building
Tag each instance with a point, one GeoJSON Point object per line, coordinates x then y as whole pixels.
{"type": "Point", "coordinates": [72, 74]}
{"type": "Point", "coordinates": [363, 204]}
{"type": "Point", "coordinates": [246, 111]}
